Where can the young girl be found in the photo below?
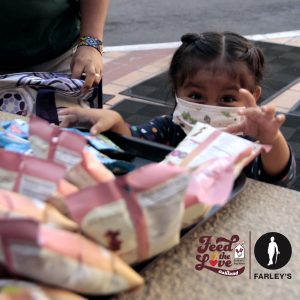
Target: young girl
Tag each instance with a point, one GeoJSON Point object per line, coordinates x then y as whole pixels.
{"type": "Point", "coordinates": [216, 79]}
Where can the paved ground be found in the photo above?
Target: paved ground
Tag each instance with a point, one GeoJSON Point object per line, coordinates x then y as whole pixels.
{"type": "Point", "coordinates": [146, 22]}
{"type": "Point", "coordinates": [143, 21]}
{"type": "Point", "coordinates": [123, 69]}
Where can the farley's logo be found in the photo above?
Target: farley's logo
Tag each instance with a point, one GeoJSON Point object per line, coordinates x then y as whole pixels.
{"type": "Point", "coordinates": [221, 255]}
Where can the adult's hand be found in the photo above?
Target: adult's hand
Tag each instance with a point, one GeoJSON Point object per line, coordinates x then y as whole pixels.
{"type": "Point", "coordinates": [87, 60]}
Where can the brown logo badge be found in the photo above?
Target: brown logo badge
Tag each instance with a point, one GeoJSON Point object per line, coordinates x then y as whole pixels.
{"type": "Point", "coordinates": [221, 255]}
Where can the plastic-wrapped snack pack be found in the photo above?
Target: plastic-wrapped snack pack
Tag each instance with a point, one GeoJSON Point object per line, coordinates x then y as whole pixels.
{"type": "Point", "coordinates": [107, 152]}
{"type": "Point", "coordinates": [68, 149]}
{"type": "Point", "coordinates": [13, 205]}
{"type": "Point", "coordinates": [63, 259]}
{"type": "Point", "coordinates": [9, 141]}
{"type": "Point", "coordinates": [14, 136]}
{"type": "Point", "coordinates": [99, 142]}
{"type": "Point", "coordinates": [23, 290]}
{"type": "Point", "coordinates": [89, 172]}
{"type": "Point", "coordinates": [205, 143]}
{"type": "Point", "coordinates": [16, 127]}
{"type": "Point", "coordinates": [137, 215]}
{"type": "Point", "coordinates": [65, 146]}
{"type": "Point", "coordinates": [53, 144]}
{"type": "Point", "coordinates": [33, 177]}
{"type": "Point", "coordinates": [210, 184]}
{"type": "Point", "coordinates": [215, 159]}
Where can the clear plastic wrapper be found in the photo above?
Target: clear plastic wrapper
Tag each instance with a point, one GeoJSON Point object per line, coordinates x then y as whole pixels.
{"type": "Point", "coordinates": [23, 290]}
{"type": "Point", "coordinates": [62, 259]}
{"type": "Point", "coordinates": [14, 205]}
{"type": "Point", "coordinates": [137, 215]}
{"type": "Point", "coordinates": [68, 149]}
{"type": "Point", "coordinates": [33, 177]}
{"type": "Point", "coordinates": [214, 159]}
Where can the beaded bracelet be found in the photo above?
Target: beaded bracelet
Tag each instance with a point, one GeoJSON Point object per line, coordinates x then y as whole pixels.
{"type": "Point", "coordinates": [91, 42]}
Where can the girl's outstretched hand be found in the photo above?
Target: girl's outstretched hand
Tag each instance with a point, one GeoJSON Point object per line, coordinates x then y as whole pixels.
{"type": "Point", "coordinates": [99, 120]}
{"type": "Point", "coordinates": [260, 122]}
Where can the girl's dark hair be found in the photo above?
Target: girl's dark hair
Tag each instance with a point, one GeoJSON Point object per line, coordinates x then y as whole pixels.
{"type": "Point", "coordinates": [200, 51]}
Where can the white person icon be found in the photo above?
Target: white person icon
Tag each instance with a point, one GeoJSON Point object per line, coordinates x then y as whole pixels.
{"type": "Point", "coordinates": [273, 249]}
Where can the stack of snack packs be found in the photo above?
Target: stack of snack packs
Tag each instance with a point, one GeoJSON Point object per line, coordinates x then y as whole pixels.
{"type": "Point", "coordinates": [13, 205]}
{"type": "Point", "coordinates": [23, 290]}
{"type": "Point", "coordinates": [67, 148]}
{"type": "Point", "coordinates": [13, 136]}
{"type": "Point", "coordinates": [33, 177]}
{"type": "Point", "coordinates": [137, 215]}
{"type": "Point", "coordinates": [62, 258]}
{"type": "Point", "coordinates": [215, 159]}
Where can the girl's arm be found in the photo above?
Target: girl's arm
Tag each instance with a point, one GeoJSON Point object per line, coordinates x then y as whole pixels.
{"type": "Point", "coordinates": [99, 120]}
{"type": "Point", "coordinates": [263, 124]}
{"type": "Point", "coordinates": [277, 159]}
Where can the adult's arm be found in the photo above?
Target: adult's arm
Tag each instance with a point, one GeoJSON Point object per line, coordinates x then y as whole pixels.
{"type": "Point", "coordinates": [93, 17]}
{"type": "Point", "coordinates": [87, 59]}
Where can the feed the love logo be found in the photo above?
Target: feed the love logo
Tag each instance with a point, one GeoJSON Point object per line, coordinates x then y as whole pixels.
{"type": "Point", "coordinates": [221, 255]}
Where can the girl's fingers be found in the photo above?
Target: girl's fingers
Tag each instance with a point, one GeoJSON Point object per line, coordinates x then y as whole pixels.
{"type": "Point", "coordinates": [269, 111]}
{"type": "Point", "coordinates": [67, 121]}
{"type": "Point", "coordinates": [72, 115]}
{"type": "Point", "coordinates": [235, 128]}
{"type": "Point", "coordinates": [250, 111]}
{"type": "Point", "coordinates": [67, 111]}
{"type": "Point", "coordinates": [97, 128]}
{"type": "Point", "coordinates": [265, 112]}
{"type": "Point", "coordinates": [280, 119]}
{"type": "Point", "coordinates": [247, 98]}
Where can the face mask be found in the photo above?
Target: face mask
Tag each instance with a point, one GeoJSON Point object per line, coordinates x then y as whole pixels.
{"type": "Point", "coordinates": [187, 114]}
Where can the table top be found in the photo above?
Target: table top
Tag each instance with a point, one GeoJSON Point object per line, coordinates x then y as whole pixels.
{"type": "Point", "coordinates": [260, 208]}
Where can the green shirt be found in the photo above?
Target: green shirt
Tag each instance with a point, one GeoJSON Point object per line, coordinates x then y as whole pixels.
{"type": "Point", "coordinates": [34, 31]}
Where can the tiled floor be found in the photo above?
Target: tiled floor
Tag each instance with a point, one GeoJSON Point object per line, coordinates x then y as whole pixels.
{"type": "Point", "coordinates": [123, 69]}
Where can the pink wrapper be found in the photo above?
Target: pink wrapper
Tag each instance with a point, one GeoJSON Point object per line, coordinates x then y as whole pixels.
{"type": "Point", "coordinates": [68, 149]}
{"type": "Point", "coordinates": [62, 259]}
{"type": "Point", "coordinates": [23, 290]}
{"type": "Point", "coordinates": [34, 177]}
{"type": "Point", "coordinates": [53, 144]}
{"type": "Point", "coordinates": [13, 205]}
{"type": "Point", "coordinates": [137, 215]}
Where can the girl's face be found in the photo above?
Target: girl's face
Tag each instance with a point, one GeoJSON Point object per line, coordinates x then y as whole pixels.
{"type": "Point", "coordinates": [217, 88]}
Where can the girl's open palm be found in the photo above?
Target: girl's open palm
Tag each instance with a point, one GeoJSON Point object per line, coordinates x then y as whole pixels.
{"type": "Point", "coordinates": [260, 122]}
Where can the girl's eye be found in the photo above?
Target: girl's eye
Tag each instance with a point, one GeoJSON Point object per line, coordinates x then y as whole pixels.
{"type": "Point", "coordinates": [228, 99]}
{"type": "Point", "coordinates": [195, 96]}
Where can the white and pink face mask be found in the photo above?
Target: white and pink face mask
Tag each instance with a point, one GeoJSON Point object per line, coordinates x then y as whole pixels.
{"type": "Point", "coordinates": [187, 114]}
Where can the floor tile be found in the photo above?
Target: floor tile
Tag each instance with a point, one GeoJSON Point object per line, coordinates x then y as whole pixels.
{"type": "Point", "coordinates": [132, 78]}
{"type": "Point", "coordinates": [296, 87]}
{"type": "Point", "coordinates": [287, 99]}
